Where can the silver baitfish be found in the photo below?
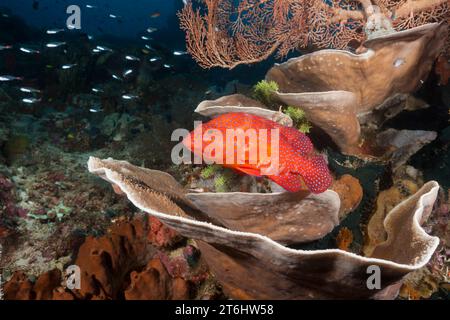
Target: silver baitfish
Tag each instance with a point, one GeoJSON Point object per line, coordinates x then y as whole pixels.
{"type": "Point", "coordinates": [10, 78]}
{"type": "Point", "coordinates": [30, 100]}
{"type": "Point", "coordinates": [29, 90]}
{"type": "Point", "coordinates": [55, 44]}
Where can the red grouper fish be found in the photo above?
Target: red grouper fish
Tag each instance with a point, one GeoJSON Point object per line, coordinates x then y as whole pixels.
{"type": "Point", "coordinates": [298, 167]}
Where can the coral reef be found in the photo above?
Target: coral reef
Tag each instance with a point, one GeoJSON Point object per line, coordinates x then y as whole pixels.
{"type": "Point", "coordinates": [105, 262]}
{"type": "Point", "coordinates": [154, 283]}
{"type": "Point", "coordinates": [200, 231]}
{"type": "Point", "coordinates": [283, 217]}
{"type": "Point", "coordinates": [347, 89]}
{"type": "Point", "coordinates": [350, 192]}
{"type": "Point", "coordinates": [287, 273]}
{"type": "Point", "coordinates": [433, 279]}
{"type": "Point", "coordinates": [124, 264]}
{"type": "Point", "coordinates": [9, 210]}
{"type": "Point", "coordinates": [344, 239]}
{"type": "Point", "coordinates": [386, 201]}
{"type": "Point", "coordinates": [19, 287]}
{"type": "Point", "coordinates": [223, 34]}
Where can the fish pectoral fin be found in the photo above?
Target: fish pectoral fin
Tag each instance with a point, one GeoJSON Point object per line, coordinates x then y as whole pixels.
{"type": "Point", "coordinates": [249, 171]}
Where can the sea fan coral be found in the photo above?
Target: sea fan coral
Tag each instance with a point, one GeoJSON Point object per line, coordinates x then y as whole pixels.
{"type": "Point", "coordinates": [226, 33]}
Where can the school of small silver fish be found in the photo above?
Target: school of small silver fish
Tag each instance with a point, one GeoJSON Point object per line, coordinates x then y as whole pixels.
{"type": "Point", "coordinates": [58, 44]}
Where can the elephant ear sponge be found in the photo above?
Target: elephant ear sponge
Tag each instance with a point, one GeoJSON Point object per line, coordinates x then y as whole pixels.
{"type": "Point", "coordinates": [245, 240]}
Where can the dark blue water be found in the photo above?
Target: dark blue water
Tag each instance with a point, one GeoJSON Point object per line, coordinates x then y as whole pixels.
{"type": "Point", "coordinates": [133, 19]}
{"type": "Point", "coordinates": [134, 15]}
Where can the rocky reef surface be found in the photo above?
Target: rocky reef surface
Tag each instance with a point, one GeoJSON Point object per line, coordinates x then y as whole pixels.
{"type": "Point", "coordinates": [55, 214]}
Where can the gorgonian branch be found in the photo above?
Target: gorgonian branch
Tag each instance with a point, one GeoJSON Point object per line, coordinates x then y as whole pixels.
{"type": "Point", "coordinates": [228, 33]}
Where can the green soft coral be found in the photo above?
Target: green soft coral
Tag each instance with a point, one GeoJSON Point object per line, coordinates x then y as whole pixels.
{"type": "Point", "coordinates": [221, 183]}
{"type": "Point", "coordinates": [223, 178]}
{"type": "Point", "coordinates": [298, 116]}
{"type": "Point", "coordinates": [264, 92]}
{"type": "Point", "coordinates": [209, 171]}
